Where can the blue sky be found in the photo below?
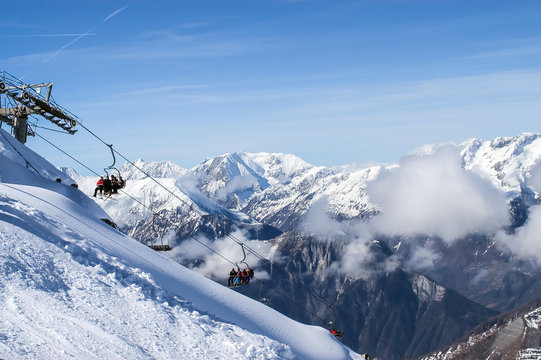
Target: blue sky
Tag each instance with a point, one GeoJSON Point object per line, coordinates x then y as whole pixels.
{"type": "Point", "coordinates": [334, 82]}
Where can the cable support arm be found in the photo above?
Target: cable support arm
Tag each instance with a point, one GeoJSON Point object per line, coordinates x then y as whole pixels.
{"type": "Point", "coordinates": [244, 246]}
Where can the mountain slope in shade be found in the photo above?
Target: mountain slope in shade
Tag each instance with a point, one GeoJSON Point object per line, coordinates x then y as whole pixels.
{"type": "Point", "coordinates": [515, 335]}
{"type": "Point", "coordinates": [386, 312]}
{"type": "Point", "coordinates": [74, 287]}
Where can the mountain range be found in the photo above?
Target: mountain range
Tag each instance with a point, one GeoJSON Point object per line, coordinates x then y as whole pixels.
{"type": "Point", "coordinates": [418, 252]}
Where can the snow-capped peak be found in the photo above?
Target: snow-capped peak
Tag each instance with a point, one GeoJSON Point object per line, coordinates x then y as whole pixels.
{"type": "Point", "coordinates": [156, 169]}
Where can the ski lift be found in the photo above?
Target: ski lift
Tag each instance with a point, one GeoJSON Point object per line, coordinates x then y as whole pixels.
{"type": "Point", "coordinates": [332, 329]}
{"type": "Point", "coordinates": [119, 183]}
{"type": "Point", "coordinates": [264, 300]}
{"type": "Point", "coordinates": [162, 246]}
{"type": "Point", "coordinates": [249, 270]}
{"type": "Point", "coordinates": [238, 279]}
{"type": "Point", "coordinates": [336, 333]}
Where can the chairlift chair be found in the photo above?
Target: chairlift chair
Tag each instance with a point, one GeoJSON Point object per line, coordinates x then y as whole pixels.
{"type": "Point", "coordinates": [337, 333]}
{"type": "Point", "coordinates": [161, 246]}
{"type": "Point", "coordinates": [109, 169]}
{"type": "Point", "coordinates": [264, 300]}
{"type": "Point", "coordinates": [236, 279]}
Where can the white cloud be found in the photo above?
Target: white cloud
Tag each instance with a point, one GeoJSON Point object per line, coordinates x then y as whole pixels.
{"type": "Point", "coordinates": [525, 242]}
{"type": "Point", "coordinates": [357, 260]}
{"type": "Point", "coordinates": [535, 178]}
{"type": "Point", "coordinates": [318, 222]}
{"type": "Point", "coordinates": [421, 258]}
{"type": "Point", "coordinates": [354, 261]}
{"type": "Point", "coordinates": [238, 183]}
{"type": "Point", "coordinates": [432, 194]}
{"type": "Point", "coordinates": [215, 266]}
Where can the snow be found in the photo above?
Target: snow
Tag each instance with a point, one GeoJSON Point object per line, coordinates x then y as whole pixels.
{"type": "Point", "coordinates": [530, 354]}
{"type": "Point", "coordinates": [505, 162]}
{"type": "Point", "coordinates": [74, 287]}
{"type": "Point", "coordinates": [533, 319]}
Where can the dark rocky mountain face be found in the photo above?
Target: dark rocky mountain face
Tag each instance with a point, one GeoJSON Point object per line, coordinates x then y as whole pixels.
{"type": "Point", "coordinates": [515, 335]}
{"type": "Point", "coordinates": [387, 313]}
{"type": "Point", "coordinates": [475, 267]}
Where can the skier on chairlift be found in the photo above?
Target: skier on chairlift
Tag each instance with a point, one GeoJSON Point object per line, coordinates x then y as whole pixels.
{"type": "Point", "coordinates": [107, 186]}
{"type": "Point", "coordinates": [114, 185]}
{"type": "Point", "coordinates": [232, 275]}
{"type": "Point", "coordinates": [99, 186]}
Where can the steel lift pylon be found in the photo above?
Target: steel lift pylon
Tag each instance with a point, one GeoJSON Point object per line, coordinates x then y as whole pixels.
{"type": "Point", "coordinates": [19, 100]}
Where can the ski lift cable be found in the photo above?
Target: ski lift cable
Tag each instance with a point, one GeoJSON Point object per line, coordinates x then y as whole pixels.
{"type": "Point", "coordinates": [139, 202]}
{"type": "Point", "coordinates": [193, 237]}
{"type": "Point", "coordinates": [36, 126]}
{"type": "Point", "coordinates": [201, 214]}
{"type": "Point", "coordinates": [290, 300]}
{"type": "Point", "coordinates": [255, 253]}
{"type": "Point", "coordinates": [21, 155]}
{"type": "Point", "coordinates": [275, 290]}
{"type": "Point", "coordinates": [49, 129]}
{"type": "Point", "coordinates": [243, 245]}
{"type": "Point", "coordinates": [65, 153]}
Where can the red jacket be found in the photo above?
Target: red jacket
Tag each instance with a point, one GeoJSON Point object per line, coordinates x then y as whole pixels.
{"type": "Point", "coordinates": [100, 182]}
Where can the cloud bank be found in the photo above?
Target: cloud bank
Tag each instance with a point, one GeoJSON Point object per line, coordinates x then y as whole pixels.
{"type": "Point", "coordinates": [432, 194]}
{"type": "Point", "coordinates": [525, 241]}
{"type": "Point", "coordinates": [535, 177]}
{"type": "Point", "coordinates": [237, 184]}
{"type": "Point", "coordinates": [212, 265]}
{"type": "Point", "coordinates": [427, 194]}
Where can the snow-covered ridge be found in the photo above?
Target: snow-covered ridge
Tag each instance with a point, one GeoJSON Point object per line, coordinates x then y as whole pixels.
{"type": "Point", "coordinates": [506, 162]}
{"type": "Point", "coordinates": [279, 189]}
{"type": "Point", "coordinates": [162, 169]}
{"type": "Point", "coordinates": [74, 287]}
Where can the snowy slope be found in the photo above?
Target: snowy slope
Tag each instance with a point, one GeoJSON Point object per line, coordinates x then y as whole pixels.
{"type": "Point", "coordinates": [74, 287]}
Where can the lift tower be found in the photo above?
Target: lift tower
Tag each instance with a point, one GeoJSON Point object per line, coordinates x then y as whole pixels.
{"type": "Point", "coordinates": [18, 101]}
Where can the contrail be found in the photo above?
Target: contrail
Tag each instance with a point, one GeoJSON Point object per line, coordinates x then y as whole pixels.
{"type": "Point", "coordinates": [114, 13]}
{"type": "Point", "coordinates": [48, 35]}
{"type": "Point", "coordinates": [107, 18]}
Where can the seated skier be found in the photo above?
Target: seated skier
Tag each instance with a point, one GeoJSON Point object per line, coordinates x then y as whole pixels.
{"type": "Point", "coordinates": [232, 275]}
{"type": "Point", "coordinates": [99, 186]}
